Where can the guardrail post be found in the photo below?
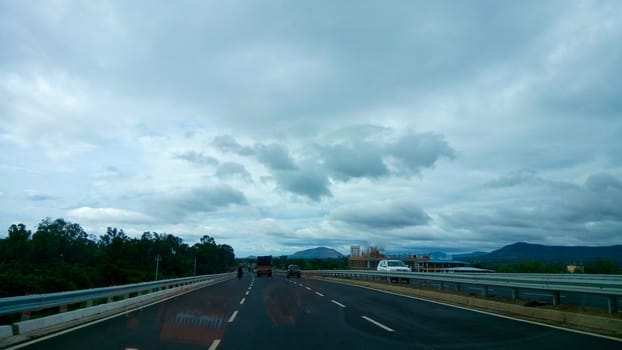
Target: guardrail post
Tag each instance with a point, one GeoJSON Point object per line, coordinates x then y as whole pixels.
{"type": "Point", "coordinates": [514, 293]}
{"type": "Point", "coordinates": [458, 287]}
{"type": "Point", "coordinates": [613, 304]}
{"type": "Point", "coordinates": [556, 299]}
{"type": "Point", "coordinates": [441, 285]}
{"type": "Point", "coordinates": [485, 291]}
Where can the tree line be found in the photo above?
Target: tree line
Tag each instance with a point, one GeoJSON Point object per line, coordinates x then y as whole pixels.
{"type": "Point", "coordinates": [61, 256]}
{"type": "Point", "coordinates": [598, 266]}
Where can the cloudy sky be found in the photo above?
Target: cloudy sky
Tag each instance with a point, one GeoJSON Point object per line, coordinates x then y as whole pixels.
{"type": "Point", "coordinates": [276, 126]}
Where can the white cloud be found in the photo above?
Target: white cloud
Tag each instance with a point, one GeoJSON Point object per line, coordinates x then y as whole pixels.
{"type": "Point", "coordinates": [109, 216]}
{"type": "Point", "coordinates": [34, 195]}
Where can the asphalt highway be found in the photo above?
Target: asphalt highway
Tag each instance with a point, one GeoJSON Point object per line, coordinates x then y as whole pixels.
{"type": "Point", "coordinates": [277, 313]}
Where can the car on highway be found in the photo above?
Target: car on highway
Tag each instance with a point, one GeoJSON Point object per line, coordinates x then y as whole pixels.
{"type": "Point", "coordinates": [392, 266]}
{"type": "Point", "coordinates": [293, 271]}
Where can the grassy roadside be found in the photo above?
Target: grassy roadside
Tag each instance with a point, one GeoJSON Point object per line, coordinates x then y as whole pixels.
{"type": "Point", "coordinates": [566, 316]}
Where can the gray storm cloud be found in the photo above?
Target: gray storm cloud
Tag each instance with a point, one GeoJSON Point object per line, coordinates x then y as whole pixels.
{"type": "Point", "coordinates": [344, 156]}
{"type": "Point", "coordinates": [227, 143]}
{"type": "Point", "coordinates": [232, 169]}
{"type": "Point", "coordinates": [382, 215]}
{"type": "Point", "coordinates": [307, 181]}
{"type": "Point", "coordinates": [559, 210]}
{"type": "Point", "coordinates": [197, 158]}
{"type": "Point", "coordinates": [178, 205]}
{"type": "Point", "coordinates": [275, 156]}
{"type": "Point", "coordinates": [418, 151]}
{"type": "Point", "coordinates": [360, 160]}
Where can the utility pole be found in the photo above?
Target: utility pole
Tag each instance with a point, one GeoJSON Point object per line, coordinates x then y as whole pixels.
{"type": "Point", "coordinates": [157, 259]}
{"type": "Point", "coordinates": [194, 273]}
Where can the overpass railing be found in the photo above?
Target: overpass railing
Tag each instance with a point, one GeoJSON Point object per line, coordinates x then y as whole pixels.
{"type": "Point", "coordinates": [34, 302]}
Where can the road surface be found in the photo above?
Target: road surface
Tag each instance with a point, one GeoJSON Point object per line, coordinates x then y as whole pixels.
{"type": "Point", "coordinates": [276, 313]}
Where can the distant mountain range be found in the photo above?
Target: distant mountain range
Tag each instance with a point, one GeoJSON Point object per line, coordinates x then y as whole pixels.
{"type": "Point", "coordinates": [519, 252]}
{"type": "Point", "coordinates": [316, 253]}
{"type": "Point", "coordinates": [467, 255]}
{"type": "Point", "coordinates": [513, 253]}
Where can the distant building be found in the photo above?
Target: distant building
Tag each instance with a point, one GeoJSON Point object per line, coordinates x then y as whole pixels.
{"type": "Point", "coordinates": [371, 257]}
{"type": "Point", "coordinates": [428, 265]}
{"type": "Point", "coordinates": [367, 260]}
{"type": "Point", "coordinates": [355, 251]}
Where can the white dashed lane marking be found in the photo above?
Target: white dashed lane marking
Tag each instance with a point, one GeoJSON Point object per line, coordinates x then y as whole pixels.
{"type": "Point", "coordinates": [242, 301]}
{"type": "Point", "coordinates": [378, 324]}
{"type": "Point", "coordinates": [320, 294]}
{"type": "Point", "coordinates": [337, 303]}
{"type": "Point", "coordinates": [232, 318]}
{"type": "Point", "coordinates": [214, 345]}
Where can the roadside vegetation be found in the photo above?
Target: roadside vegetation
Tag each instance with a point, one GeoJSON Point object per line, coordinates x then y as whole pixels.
{"type": "Point", "coordinates": [61, 256]}
{"type": "Point", "coordinates": [598, 266]}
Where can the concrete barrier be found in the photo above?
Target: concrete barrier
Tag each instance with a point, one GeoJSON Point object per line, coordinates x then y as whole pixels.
{"type": "Point", "coordinates": [6, 331]}
{"type": "Point", "coordinates": [41, 326]}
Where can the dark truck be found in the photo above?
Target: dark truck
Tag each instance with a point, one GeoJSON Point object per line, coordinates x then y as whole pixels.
{"type": "Point", "coordinates": [264, 266]}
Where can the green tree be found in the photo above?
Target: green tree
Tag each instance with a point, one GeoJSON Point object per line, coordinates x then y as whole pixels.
{"type": "Point", "coordinates": [601, 266]}
{"type": "Point", "coordinates": [16, 247]}
{"type": "Point", "coordinates": [60, 241]}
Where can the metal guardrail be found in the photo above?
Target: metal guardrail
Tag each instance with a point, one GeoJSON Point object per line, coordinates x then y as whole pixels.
{"type": "Point", "coordinates": [37, 302]}
{"type": "Point", "coordinates": [609, 286]}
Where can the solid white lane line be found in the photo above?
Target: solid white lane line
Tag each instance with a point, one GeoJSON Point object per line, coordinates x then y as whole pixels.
{"type": "Point", "coordinates": [337, 303]}
{"type": "Point", "coordinates": [378, 324]}
{"type": "Point", "coordinates": [242, 301]}
{"type": "Point", "coordinates": [232, 318]}
{"type": "Point", "coordinates": [247, 292]}
{"type": "Point", "coordinates": [308, 288]}
{"type": "Point", "coordinates": [300, 284]}
{"type": "Point", "coordinates": [214, 345]}
{"type": "Point", "coordinates": [320, 294]}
